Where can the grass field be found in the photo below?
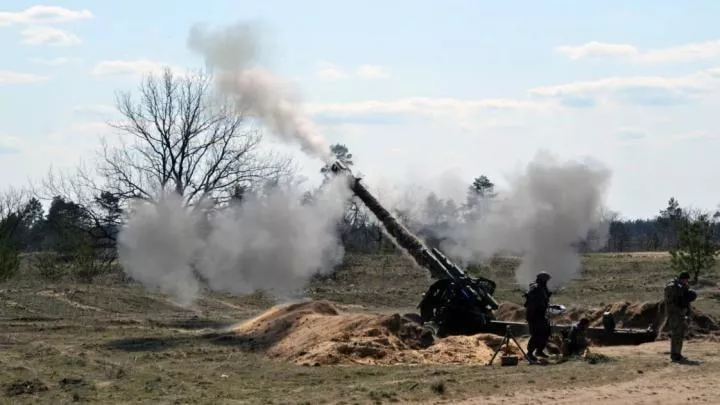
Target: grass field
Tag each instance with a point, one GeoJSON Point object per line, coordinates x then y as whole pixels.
{"type": "Point", "coordinates": [114, 343]}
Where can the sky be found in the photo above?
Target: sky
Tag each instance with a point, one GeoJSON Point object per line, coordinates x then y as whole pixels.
{"type": "Point", "coordinates": [416, 90]}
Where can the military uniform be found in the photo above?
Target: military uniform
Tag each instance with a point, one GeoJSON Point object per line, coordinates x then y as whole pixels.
{"type": "Point", "coordinates": [678, 297]}
{"type": "Point", "coordinates": [576, 340]}
{"type": "Point", "coordinates": [537, 301]}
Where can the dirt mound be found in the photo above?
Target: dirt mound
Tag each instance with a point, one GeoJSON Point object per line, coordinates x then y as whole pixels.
{"type": "Point", "coordinates": [627, 315]}
{"type": "Point", "coordinates": [509, 311]}
{"type": "Point", "coordinates": [318, 332]}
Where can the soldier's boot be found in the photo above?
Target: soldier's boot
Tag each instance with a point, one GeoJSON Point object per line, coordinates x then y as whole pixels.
{"type": "Point", "coordinates": [677, 358]}
{"type": "Point", "coordinates": [540, 353]}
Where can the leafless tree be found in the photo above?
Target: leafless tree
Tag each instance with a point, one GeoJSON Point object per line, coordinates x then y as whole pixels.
{"type": "Point", "coordinates": [12, 200]}
{"type": "Point", "coordinates": [185, 139]}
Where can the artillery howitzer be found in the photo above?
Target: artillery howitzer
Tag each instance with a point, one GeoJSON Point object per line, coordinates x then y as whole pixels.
{"type": "Point", "coordinates": [458, 304]}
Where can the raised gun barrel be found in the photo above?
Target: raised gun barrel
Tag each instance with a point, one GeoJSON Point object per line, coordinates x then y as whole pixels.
{"type": "Point", "coordinates": [439, 266]}
{"type": "Point", "coordinates": [457, 303]}
{"type": "Point", "coordinates": [400, 235]}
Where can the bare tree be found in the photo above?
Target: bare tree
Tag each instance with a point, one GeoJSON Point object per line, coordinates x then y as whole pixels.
{"type": "Point", "coordinates": [101, 209]}
{"type": "Point", "coordinates": [12, 200]}
{"type": "Point", "coordinates": [184, 139]}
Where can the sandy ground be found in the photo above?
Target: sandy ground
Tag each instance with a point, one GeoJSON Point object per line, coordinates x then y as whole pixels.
{"type": "Point", "coordinates": [675, 384]}
{"type": "Point", "coordinates": [320, 333]}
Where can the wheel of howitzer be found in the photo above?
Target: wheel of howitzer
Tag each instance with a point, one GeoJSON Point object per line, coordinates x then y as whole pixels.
{"type": "Point", "coordinates": [434, 299]}
{"type": "Point", "coordinates": [452, 311]}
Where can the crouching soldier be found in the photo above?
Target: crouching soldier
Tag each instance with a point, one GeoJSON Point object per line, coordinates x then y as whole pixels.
{"type": "Point", "coordinates": [678, 297]}
{"type": "Point", "coordinates": [576, 342]}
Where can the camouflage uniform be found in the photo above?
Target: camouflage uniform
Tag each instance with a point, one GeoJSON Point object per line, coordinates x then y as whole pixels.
{"type": "Point", "coordinates": [677, 310]}
{"type": "Point", "coordinates": [537, 301]}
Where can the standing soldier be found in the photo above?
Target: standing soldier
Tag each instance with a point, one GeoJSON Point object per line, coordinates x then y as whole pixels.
{"type": "Point", "coordinates": [537, 301]}
{"type": "Point", "coordinates": [678, 297]}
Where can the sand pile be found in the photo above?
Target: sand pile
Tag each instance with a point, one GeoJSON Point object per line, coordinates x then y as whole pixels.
{"type": "Point", "coordinates": [627, 315]}
{"type": "Point", "coordinates": [318, 332]}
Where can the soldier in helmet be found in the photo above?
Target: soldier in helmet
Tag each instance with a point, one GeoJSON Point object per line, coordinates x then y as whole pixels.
{"type": "Point", "coordinates": [537, 301]}
{"type": "Point", "coordinates": [576, 341]}
{"type": "Point", "coordinates": [678, 297]}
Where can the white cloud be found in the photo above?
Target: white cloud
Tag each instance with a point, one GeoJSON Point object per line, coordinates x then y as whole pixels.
{"type": "Point", "coordinates": [10, 77]}
{"type": "Point", "coordinates": [596, 49]}
{"type": "Point", "coordinates": [630, 134]}
{"type": "Point", "coordinates": [9, 144]}
{"type": "Point", "coordinates": [38, 35]}
{"type": "Point", "coordinates": [641, 90]}
{"type": "Point", "coordinates": [372, 72]}
{"type": "Point", "coordinates": [82, 131]}
{"type": "Point", "coordinates": [43, 15]}
{"type": "Point", "coordinates": [64, 148]}
{"type": "Point", "coordinates": [53, 62]}
{"type": "Point", "coordinates": [695, 135]}
{"type": "Point", "coordinates": [329, 71]}
{"type": "Point", "coordinates": [422, 105]}
{"type": "Point", "coordinates": [138, 67]}
{"type": "Point", "coordinates": [96, 109]}
{"type": "Point", "coordinates": [470, 115]}
{"type": "Point", "coordinates": [681, 53]}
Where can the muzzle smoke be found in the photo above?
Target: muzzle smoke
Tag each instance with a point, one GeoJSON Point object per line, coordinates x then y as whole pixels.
{"type": "Point", "coordinates": [274, 242]}
{"type": "Point", "coordinates": [545, 213]}
{"type": "Point", "coordinates": [229, 53]}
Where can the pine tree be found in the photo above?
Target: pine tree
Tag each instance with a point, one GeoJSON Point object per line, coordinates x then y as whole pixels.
{"type": "Point", "coordinates": [697, 250]}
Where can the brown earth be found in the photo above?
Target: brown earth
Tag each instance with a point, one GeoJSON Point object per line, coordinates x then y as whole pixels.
{"type": "Point", "coordinates": [118, 343]}
{"type": "Point", "coordinates": [627, 315]}
{"type": "Point", "coordinates": [675, 384]}
{"type": "Point", "coordinates": [318, 333]}
{"type": "Point", "coordinates": [321, 333]}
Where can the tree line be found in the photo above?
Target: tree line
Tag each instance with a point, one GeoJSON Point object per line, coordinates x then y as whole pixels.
{"type": "Point", "coordinates": [179, 136]}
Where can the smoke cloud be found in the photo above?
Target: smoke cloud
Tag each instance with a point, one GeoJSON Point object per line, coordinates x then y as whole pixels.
{"type": "Point", "coordinates": [547, 209]}
{"type": "Point", "coordinates": [229, 52]}
{"type": "Point", "coordinates": [276, 238]}
{"type": "Point", "coordinates": [273, 241]}
{"type": "Point", "coordinates": [158, 245]}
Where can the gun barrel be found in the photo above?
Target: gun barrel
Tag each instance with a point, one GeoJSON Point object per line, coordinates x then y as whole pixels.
{"type": "Point", "coordinates": [436, 263]}
{"type": "Point", "coordinates": [400, 235]}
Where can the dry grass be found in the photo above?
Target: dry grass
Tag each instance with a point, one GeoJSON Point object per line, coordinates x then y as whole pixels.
{"type": "Point", "coordinates": [118, 344]}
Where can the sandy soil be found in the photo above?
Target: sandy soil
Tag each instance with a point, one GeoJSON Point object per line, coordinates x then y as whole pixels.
{"type": "Point", "coordinates": [675, 384]}
{"type": "Point", "coordinates": [320, 333]}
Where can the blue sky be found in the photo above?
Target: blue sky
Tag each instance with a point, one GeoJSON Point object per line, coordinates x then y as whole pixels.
{"type": "Point", "coordinates": [415, 89]}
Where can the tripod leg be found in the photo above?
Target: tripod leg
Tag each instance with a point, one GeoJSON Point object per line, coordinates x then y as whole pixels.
{"type": "Point", "coordinates": [505, 342]}
{"type": "Point", "coordinates": [519, 347]}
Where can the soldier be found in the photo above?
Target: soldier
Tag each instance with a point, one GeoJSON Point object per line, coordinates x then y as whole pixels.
{"type": "Point", "coordinates": [678, 297]}
{"type": "Point", "coordinates": [537, 301]}
{"type": "Point", "coordinates": [576, 342]}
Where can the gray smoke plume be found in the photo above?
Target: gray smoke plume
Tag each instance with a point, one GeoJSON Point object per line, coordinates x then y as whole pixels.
{"type": "Point", "coordinates": [229, 53]}
{"type": "Point", "coordinates": [158, 245]}
{"type": "Point", "coordinates": [548, 209]}
{"type": "Point", "coordinates": [276, 239]}
{"type": "Point", "coordinates": [545, 212]}
{"type": "Point", "coordinates": [274, 242]}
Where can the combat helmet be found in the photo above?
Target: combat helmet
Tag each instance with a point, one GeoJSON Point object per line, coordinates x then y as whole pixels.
{"type": "Point", "coordinates": [543, 277]}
